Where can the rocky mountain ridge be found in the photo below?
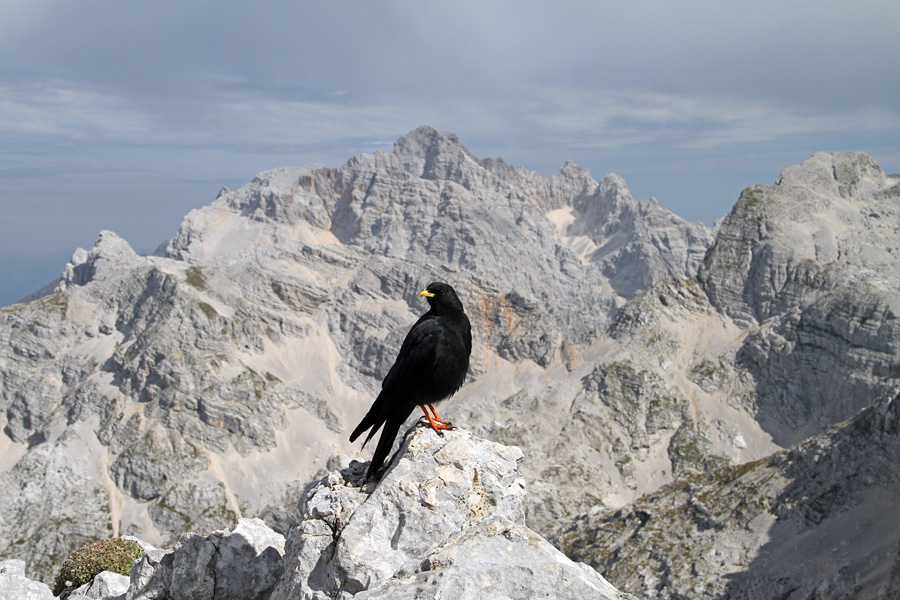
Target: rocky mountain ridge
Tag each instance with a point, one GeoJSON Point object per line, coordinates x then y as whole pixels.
{"type": "Point", "coordinates": [205, 383]}
{"type": "Point", "coordinates": [446, 520]}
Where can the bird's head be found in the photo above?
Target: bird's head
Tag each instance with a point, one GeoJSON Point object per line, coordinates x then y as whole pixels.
{"type": "Point", "coordinates": [441, 295]}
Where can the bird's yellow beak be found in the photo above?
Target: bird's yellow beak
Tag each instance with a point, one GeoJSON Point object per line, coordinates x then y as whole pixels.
{"type": "Point", "coordinates": [426, 293]}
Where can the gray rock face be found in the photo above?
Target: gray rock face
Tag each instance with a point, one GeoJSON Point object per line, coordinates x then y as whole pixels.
{"type": "Point", "coordinates": [446, 518]}
{"type": "Point", "coordinates": [812, 521]}
{"type": "Point", "coordinates": [41, 521]}
{"type": "Point", "coordinates": [815, 261]}
{"type": "Point", "coordinates": [496, 558]}
{"type": "Point", "coordinates": [243, 564]}
{"type": "Point", "coordinates": [104, 586]}
{"type": "Point", "coordinates": [14, 585]}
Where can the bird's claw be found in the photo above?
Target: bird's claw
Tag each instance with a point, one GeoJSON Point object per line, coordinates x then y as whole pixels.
{"type": "Point", "coordinates": [438, 427]}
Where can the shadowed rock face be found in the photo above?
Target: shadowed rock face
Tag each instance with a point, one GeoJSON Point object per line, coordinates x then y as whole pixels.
{"type": "Point", "coordinates": [243, 564]}
{"type": "Point", "coordinates": [811, 521]}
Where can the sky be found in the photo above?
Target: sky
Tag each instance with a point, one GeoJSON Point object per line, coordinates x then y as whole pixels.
{"type": "Point", "coordinates": [127, 115]}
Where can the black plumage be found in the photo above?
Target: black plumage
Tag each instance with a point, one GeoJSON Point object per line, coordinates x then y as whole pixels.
{"type": "Point", "coordinates": [431, 366]}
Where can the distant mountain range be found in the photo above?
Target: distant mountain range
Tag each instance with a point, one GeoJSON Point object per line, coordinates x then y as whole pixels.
{"type": "Point", "coordinates": [648, 367]}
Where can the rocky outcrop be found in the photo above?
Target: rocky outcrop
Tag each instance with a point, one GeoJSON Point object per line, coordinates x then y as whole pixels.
{"type": "Point", "coordinates": [14, 585]}
{"type": "Point", "coordinates": [446, 520]}
{"type": "Point", "coordinates": [496, 558]}
{"type": "Point", "coordinates": [437, 488]}
{"type": "Point", "coordinates": [104, 586]}
{"type": "Point", "coordinates": [242, 564]}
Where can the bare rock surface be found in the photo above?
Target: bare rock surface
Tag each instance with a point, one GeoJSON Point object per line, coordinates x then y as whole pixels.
{"type": "Point", "coordinates": [814, 263]}
{"type": "Point", "coordinates": [445, 520]}
{"type": "Point", "coordinates": [104, 586]}
{"type": "Point", "coordinates": [14, 585]}
{"type": "Point", "coordinates": [496, 558]}
{"type": "Point", "coordinates": [242, 564]}
{"type": "Point", "coordinates": [813, 521]}
{"type": "Point", "coordinates": [437, 487]}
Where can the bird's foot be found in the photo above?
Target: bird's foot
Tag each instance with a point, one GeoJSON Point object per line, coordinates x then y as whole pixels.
{"type": "Point", "coordinates": [436, 422]}
{"type": "Point", "coordinates": [438, 427]}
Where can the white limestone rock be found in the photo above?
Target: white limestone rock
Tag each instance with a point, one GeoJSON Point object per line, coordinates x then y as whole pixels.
{"type": "Point", "coordinates": [242, 564]}
{"type": "Point", "coordinates": [495, 559]}
{"type": "Point", "coordinates": [14, 585]}
{"type": "Point", "coordinates": [447, 517]}
{"type": "Point", "coordinates": [436, 487]}
{"type": "Point", "coordinates": [104, 586]}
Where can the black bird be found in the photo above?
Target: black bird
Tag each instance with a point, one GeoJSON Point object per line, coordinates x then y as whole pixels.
{"type": "Point", "coordinates": [431, 366]}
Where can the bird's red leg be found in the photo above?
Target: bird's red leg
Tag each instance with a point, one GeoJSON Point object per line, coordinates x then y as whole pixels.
{"type": "Point", "coordinates": [437, 417]}
{"type": "Point", "coordinates": [434, 424]}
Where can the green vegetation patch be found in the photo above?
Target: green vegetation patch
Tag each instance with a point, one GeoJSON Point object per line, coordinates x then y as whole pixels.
{"type": "Point", "coordinates": [210, 312]}
{"type": "Point", "coordinates": [115, 555]}
{"type": "Point", "coordinates": [196, 278]}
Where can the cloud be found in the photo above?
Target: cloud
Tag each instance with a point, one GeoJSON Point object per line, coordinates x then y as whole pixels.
{"type": "Point", "coordinates": [238, 116]}
{"type": "Point", "coordinates": [288, 73]}
{"type": "Point", "coordinates": [59, 110]}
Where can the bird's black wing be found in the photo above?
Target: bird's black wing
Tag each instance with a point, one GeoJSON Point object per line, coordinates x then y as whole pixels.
{"type": "Point", "coordinates": [399, 386]}
{"type": "Point", "coordinates": [417, 354]}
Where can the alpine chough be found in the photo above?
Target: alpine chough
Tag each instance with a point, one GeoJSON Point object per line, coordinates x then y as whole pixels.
{"type": "Point", "coordinates": [431, 366]}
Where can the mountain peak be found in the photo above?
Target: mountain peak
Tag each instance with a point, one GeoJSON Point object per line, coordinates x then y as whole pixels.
{"type": "Point", "coordinates": [426, 140]}
{"type": "Point", "coordinates": [109, 252]}
{"type": "Point", "coordinates": [438, 155]}
{"type": "Point", "coordinates": [844, 174]}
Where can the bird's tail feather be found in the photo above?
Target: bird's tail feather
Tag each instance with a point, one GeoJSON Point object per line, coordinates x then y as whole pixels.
{"type": "Point", "coordinates": [372, 419]}
{"type": "Point", "coordinates": [361, 428]}
{"type": "Point", "coordinates": [385, 442]}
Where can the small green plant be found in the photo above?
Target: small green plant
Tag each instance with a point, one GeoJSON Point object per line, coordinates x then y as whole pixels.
{"type": "Point", "coordinates": [195, 277]}
{"type": "Point", "coordinates": [210, 312]}
{"type": "Point", "coordinates": [115, 555]}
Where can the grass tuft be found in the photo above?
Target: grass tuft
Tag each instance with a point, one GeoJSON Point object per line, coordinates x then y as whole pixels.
{"type": "Point", "coordinates": [82, 565]}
